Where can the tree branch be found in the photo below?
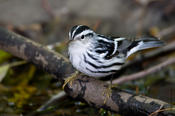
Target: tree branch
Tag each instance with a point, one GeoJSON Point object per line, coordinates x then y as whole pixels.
{"type": "Point", "coordinates": [84, 88]}
{"type": "Point", "coordinates": [46, 59]}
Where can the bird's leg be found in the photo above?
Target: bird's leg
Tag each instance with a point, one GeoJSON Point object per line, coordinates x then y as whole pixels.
{"type": "Point", "coordinates": [70, 79]}
{"type": "Point", "coordinates": [108, 91]}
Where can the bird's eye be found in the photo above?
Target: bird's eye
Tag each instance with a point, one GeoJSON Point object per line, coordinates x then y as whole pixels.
{"type": "Point", "coordinates": [82, 37]}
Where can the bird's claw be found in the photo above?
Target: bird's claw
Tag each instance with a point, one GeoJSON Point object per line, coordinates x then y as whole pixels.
{"type": "Point", "coordinates": [70, 79]}
{"type": "Point", "coordinates": [107, 93]}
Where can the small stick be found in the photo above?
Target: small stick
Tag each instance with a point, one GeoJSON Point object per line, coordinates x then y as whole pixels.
{"type": "Point", "coordinates": [143, 73]}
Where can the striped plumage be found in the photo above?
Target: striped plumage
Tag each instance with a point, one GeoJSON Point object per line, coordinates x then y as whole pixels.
{"type": "Point", "coordinates": [99, 56]}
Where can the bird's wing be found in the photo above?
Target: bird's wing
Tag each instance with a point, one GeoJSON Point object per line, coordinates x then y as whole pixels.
{"type": "Point", "coordinates": [124, 44]}
{"type": "Point", "coordinates": [124, 47]}
{"type": "Point", "coordinates": [109, 47]}
{"type": "Point", "coordinates": [105, 46]}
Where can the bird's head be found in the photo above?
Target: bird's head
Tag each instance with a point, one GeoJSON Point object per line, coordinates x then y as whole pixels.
{"type": "Point", "coordinates": [80, 32]}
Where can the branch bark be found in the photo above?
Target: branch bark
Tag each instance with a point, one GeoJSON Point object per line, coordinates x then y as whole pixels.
{"type": "Point", "coordinates": [87, 89]}
{"type": "Point", "coordinates": [46, 59]}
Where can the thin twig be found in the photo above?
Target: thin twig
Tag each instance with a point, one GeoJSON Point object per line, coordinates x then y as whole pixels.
{"type": "Point", "coordinates": [161, 110]}
{"type": "Point", "coordinates": [144, 73]}
{"type": "Point", "coordinates": [56, 98]}
{"type": "Point", "coordinates": [167, 32]}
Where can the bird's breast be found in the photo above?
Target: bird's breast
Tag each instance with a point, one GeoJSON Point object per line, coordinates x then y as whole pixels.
{"type": "Point", "coordinates": [76, 51]}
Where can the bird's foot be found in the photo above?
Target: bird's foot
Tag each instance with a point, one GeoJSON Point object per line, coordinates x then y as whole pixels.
{"type": "Point", "coordinates": [70, 79]}
{"type": "Point", "coordinates": [107, 92]}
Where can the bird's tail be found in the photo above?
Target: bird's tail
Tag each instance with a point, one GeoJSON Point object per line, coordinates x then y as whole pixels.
{"type": "Point", "coordinates": [144, 43]}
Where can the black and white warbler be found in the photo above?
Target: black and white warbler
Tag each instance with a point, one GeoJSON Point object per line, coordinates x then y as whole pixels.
{"type": "Point", "coordinates": [98, 56]}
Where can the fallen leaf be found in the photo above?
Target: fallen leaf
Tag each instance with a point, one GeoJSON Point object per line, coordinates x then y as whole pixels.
{"type": "Point", "coordinates": [3, 71]}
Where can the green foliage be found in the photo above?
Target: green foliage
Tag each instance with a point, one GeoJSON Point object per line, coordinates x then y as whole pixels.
{"type": "Point", "coordinates": [4, 56]}
{"type": "Point", "coordinates": [21, 94]}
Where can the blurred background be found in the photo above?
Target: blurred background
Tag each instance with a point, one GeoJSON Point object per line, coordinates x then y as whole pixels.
{"type": "Point", "coordinates": [24, 88]}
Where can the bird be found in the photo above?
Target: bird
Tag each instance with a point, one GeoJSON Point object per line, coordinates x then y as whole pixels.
{"type": "Point", "coordinates": [96, 55]}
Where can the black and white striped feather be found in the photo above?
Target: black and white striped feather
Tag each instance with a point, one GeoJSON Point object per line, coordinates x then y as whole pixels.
{"type": "Point", "coordinates": [99, 56]}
